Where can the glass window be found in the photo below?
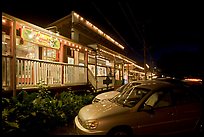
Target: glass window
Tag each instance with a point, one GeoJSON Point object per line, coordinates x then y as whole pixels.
{"type": "Point", "coordinates": [7, 30]}
{"type": "Point", "coordinates": [81, 59]}
{"type": "Point", "coordinates": [101, 71]}
{"type": "Point", "coordinates": [70, 53]}
{"type": "Point", "coordinates": [27, 50]}
{"type": "Point", "coordinates": [130, 96]}
{"type": "Point", "coordinates": [6, 36]}
{"type": "Point", "coordinates": [50, 54]}
{"type": "Point", "coordinates": [161, 98]}
{"type": "Point", "coordinates": [184, 96]}
{"type": "Point", "coordinates": [91, 59]}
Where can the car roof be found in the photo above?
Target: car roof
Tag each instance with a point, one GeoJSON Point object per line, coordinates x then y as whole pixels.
{"type": "Point", "coordinates": [154, 84]}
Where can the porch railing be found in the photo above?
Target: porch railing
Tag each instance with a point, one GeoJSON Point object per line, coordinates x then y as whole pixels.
{"type": "Point", "coordinates": [29, 72]}
{"type": "Point", "coordinates": [92, 79]}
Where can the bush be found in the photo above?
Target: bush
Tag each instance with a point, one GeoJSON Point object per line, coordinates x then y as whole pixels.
{"type": "Point", "coordinates": [40, 112]}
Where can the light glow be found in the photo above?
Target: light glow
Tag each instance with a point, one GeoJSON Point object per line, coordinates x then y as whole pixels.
{"type": "Point", "coordinates": [193, 79]}
{"type": "Point", "coordinates": [90, 25]}
{"type": "Point", "coordinates": [3, 21]}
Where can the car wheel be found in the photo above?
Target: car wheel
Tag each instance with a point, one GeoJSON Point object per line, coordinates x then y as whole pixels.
{"type": "Point", "coordinates": [120, 131]}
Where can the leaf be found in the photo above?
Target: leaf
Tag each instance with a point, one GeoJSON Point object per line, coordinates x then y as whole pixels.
{"type": "Point", "coordinates": [12, 124]}
{"type": "Point", "coordinates": [33, 113]}
{"type": "Point", "coordinates": [60, 103]}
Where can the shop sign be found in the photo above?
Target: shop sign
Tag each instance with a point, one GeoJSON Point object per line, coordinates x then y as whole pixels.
{"type": "Point", "coordinates": [39, 38]}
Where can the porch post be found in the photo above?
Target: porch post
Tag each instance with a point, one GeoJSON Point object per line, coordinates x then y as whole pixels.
{"type": "Point", "coordinates": [13, 60]}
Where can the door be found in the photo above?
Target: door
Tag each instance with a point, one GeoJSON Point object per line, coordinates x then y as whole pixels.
{"type": "Point", "coordinates": [188, 109]}
{"type": "Point", "coordinates": [161, 118]}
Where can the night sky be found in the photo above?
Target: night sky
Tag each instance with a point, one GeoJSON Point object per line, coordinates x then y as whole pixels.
{"type": "Point", "coordinates": [173, 32]}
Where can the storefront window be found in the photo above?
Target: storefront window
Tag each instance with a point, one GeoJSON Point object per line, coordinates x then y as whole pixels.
{"type": "Point", "coordinates": [49, 54]}
{"type": "Point", "coordinates": [6, 36]}
{"type": "Point", "coordinates": [81, 59]}
{"type": "Point", "coordinates": [101, 61]}
{"type": "Point", "coordinates": [91, 59]}
{"type": "Point", "coordinates": [70, 53]}
{"type": "Point", "coordinates": [27, 50]}
{"type": "Point", "coordinates": [101, 71]}
{"type": "Point", "coordinates": [7, 30]}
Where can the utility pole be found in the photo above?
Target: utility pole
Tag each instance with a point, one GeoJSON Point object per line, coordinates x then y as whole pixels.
{"type": "Point", "coordinates": [145, 67]}
{"type": "Point", "coordinates": [145, 62]}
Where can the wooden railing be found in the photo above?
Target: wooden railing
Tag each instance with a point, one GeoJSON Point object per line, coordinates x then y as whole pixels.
{"type": "Point", "coordinates": [30, 72]}
{"type": "Point", "coordinates": [75, 74]}
{"type": "Point", "coordinates": [97, 82]}
{"type": "Point", "coordinates": [92, 79]}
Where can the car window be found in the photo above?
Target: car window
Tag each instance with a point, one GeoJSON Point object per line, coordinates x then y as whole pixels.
{"type": "Point", "coordinates": [161, 98]}
{"type": "Point", "coordinates": [130, 97]}
{"type": "Point", "coordinates": [165, 100]}
{"type": "Point", "coordinates": [184, 96]}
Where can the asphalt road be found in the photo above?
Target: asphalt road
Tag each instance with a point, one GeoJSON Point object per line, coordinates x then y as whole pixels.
{"type": "Point", "coordinates": [66, 130]}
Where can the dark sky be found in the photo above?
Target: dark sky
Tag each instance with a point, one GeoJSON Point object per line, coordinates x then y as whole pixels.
{"type": "Point", "coordinates": [173, 32]}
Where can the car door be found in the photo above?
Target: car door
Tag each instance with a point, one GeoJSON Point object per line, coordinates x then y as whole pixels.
{"type": "Point", "coordinates": [159, 120]}
{"type": "Point", "coordinates": [188, 109]}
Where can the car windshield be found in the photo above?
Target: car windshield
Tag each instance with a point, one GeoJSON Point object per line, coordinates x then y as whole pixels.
{"type": "Point", "coordinates": [127, 86]}
{"type": "Point", "coordinates": [130, 96]}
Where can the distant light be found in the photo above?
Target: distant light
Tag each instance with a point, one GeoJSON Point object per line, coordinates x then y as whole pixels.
{"type": "Point", "coordinates": [193, 79]}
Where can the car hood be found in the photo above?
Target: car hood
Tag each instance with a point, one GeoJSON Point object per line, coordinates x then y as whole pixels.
{"type": "Point", "coordinates": [100, 109]}
{"type": "Point", "coordinates": [107, 95]}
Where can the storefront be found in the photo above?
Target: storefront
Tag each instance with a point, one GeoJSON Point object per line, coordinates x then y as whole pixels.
{"type": "Point", "coordinates": [106, 58]}
{"type": "Point", "coordinates": [31, 54]}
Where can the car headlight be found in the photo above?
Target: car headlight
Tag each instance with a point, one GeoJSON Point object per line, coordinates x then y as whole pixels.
{"type": "Point", "coordinates": [91, 124]}
{"type": "Point", "coordinates": [95, 100]}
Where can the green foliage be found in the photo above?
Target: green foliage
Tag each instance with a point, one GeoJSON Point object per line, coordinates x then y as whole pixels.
{"type": "Point", "coordinates": [39, 112]}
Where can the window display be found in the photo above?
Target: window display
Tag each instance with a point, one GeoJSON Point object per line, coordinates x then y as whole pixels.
{"type": "Point", "coordinates": [27, 50]}
{"type": "Point", "coordinates": [49, 54]}
{"type": "Point", "coordinates": [101, 71]}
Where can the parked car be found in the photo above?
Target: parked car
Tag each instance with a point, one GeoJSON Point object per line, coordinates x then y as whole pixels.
{"type": "Point", "coordinates": [152, 107]}
{"type": "Point", "coordinates": [111, 94]}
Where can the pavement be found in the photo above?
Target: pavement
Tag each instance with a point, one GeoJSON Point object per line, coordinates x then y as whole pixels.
{"type": "Point", "coordinates": [66, 130]}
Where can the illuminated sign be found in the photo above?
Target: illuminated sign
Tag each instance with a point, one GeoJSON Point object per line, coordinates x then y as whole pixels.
{"type": "Point", "coordinates": [39, 38]}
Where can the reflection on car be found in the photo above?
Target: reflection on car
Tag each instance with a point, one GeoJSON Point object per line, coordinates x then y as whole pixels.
{"type": "Point", "coordinates": [151, 107]}
{"type": "Point", "coordinates": [111, 94]}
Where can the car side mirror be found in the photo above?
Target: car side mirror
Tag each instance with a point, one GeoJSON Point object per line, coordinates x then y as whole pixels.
{"type": "Point", "coordinates": [148, 108]}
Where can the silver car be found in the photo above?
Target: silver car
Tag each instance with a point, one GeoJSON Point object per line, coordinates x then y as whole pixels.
{"type": "Point", "coordinates": [111, 94]}
{"type": "Point", "coordinates": [152, 107]}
